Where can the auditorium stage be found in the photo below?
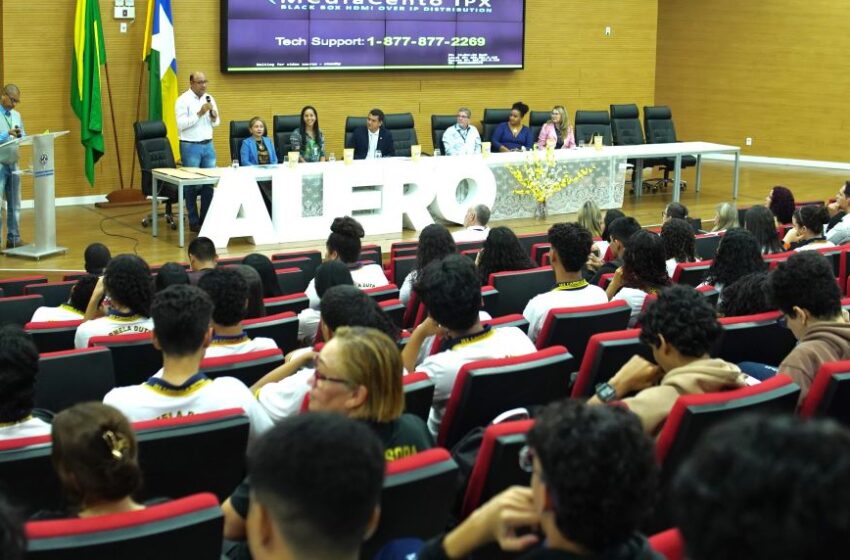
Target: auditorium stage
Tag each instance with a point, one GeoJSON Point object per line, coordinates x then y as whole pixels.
{"type": "Point", "coordinates": [121, 230]}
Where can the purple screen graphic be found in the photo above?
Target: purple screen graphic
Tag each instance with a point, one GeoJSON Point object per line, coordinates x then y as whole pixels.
{"type": "Point", "coordinates": [282, 35]}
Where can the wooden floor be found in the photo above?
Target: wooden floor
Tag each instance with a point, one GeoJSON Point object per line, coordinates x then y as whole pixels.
{"type": "Point", "coordinates": [121, 230]}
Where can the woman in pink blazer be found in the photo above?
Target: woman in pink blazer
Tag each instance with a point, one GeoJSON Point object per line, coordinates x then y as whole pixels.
{"type": "Point", "coordinates": [558, 130]}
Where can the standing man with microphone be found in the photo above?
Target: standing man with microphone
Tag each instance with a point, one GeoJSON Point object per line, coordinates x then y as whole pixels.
{"type": "Point", "coordinates": [197, 114]}
{"type": "Point", "coordinates": [11, 127]}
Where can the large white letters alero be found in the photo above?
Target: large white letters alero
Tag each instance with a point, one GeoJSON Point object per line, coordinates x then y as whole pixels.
{"type": "Point", "coordinates": [237, 210]}
{"type": "Point", "coordinates": [287, 204]}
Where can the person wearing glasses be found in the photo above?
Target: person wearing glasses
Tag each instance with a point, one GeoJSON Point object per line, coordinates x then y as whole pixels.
{"type": "Point", "coordinates": [558, 131]}
{"type": "Point", "coordinates": [11, 127]}
{"type": "Point", "coordinates": [197, 115]}
{"type": "Point", "coordinates": [461, 139]}
{"type": "Point", "coordinates": [561, 516]}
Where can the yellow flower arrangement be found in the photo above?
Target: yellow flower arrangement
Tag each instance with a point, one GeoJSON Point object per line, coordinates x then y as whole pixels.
{"type": "Point", "coordinates": [540, 177]}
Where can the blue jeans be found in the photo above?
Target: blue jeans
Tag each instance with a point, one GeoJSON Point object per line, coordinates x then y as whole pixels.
{"type": "Point", "coordinates": [10, 190]}
{"type": "Point", "coordinates": [197, 155]}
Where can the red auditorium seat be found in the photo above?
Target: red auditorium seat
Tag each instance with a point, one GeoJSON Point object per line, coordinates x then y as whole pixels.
{"type": "Point", "coordinates": [27, 478]}
{"type": "Point", "coordinates": [54, 293]}
{"type": "Point", "coordinates": [390, 291]}
{"type": "Point", "coordinates": [573, 326]}
{"type": "Point", "coordinates": [400, 267]}
{"type": "Point", "coordinates": [512, 320]}
{"type": "Point", "coordinates": [292, 302]}
{"type": "Point", "coordinates": [73, 376]}
{"type": "Point", "coordinates": [291, 280]}
{"type": "Point", "coordinates": [829, 394]}
{"type": "Point", "coordinates": [755, 338]}
{"type": "Point", "coordinates": [53, 336]}
{"type": "Point", "coordinates": [134, 357]}
{"type": "Point", "coordinates": [604, 355]}
{"type": "Point", "coordinates": [669, 544]}
{"type": "Point", "coordinates": [692, 273]}
{"type": "Point", "coordinates": [418, 394]}
{"type": "Point", "coordinates": [280, 327]}
{"type": "Point", "coordinates": [15, 286]}
{"type": "Point", "coordinates": [517, 287]}
{"type": "Point", "coordinates": [247, 368]}
{"type": "Point", "coordinates": [18, 310]}
{"type": "Point", "coordinates": [395, 309]}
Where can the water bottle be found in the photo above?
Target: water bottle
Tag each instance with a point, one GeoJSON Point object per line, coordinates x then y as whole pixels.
{"type": "Point", "coordinates": [436, 153]}
{"type": "Point", "coordinates": [235, 164]}
{"type": "Point", "coordinates": [332, 157]}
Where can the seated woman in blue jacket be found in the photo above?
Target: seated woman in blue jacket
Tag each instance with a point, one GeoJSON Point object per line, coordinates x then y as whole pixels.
{"type": "Point", "coordinates": [257, 149]}
{"type": "Point", "coordinates": [513, 136]}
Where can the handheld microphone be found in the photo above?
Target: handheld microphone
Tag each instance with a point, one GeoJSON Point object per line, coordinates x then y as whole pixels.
{"type": "Point", "coordinates": [212, 111]}
{"type": "Point", "coordinates": [209, 99]}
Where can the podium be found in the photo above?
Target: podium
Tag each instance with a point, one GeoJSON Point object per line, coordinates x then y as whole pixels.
{"type": "Point", "coordinates": [43, 193]}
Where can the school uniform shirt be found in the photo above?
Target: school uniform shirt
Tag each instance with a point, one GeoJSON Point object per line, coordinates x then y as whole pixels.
{"type": "Point", "coordinates": [241, 344]}
{"type": "Point", "coordinates": [565, 294]}
{"type": "Point", "coordinates": [634, 298]}
{"type": "Point", "coordinates": [64, 312]}
{"type": "Point", "coordinates": [366, 276]}
{"type": "Point", "coordinates": [308, 324]}
{"type": "Point", "coordinates": [472, 233]}
{"type": "Point", "coordinates": [157, 399]}
{"type": "Point", "coordinates": [442, 367]}
{"type": "Point", "coordinates": [111, 325]}
{"type": "Point", "coordinates": [284, 398]}
{"type": "Point", "coordinates": [28, 427]}
{"type": "Point", "coordinates": [407, 287]}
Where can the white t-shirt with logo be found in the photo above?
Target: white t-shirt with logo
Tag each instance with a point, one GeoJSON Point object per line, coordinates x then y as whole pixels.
{"type": "Point", "coordinates": [64, 312]}
{"type": "Point", "coordinates": [218, 348]}
{"type": "Point", "coordinates": [575, 294]}
{"type": "Point", "coordinates": [28, 427]}
{"type": "Point", "coordinates": [111, 325]}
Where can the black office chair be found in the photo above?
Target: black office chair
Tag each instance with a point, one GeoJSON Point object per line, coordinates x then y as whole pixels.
{"type": "Point", "coordinates": [403, 130]}
{"type": "Point", "coordinates": [439, 124]}
{"type": "Point", "coordinates": [352, 123]}
{"type": "Point", "coordinates": [492, 119]}
{"type": "Point", "coordinates": [593, 123]}
{"type": "Point", "coordinates": [154, 151]}
{"type": "Point", "coordinates": [282, 128]}
{"type": "Point", "coordinates": [658, 124]}
{"type": "Point", "coordinates": [536, 120]}
{"type": "Point", "coordinates": [239, 131]}
{"type": "Point", "coordinates": [626, 131]}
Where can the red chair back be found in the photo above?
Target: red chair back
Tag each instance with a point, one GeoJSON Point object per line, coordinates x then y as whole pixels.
{"type": "Point", "coordinates": [134, 357]}
{"type": "Point", "coordinates": [829, 394]}
{"type": "Point", "coordinates": [280, 327]}
{"type": "Point", "coordinates": [247, 368]}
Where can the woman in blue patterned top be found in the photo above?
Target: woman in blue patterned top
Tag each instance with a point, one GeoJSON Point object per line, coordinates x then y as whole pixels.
{"type": "Point", "coordinates": [513, 136]}
{"type": "Point", "coordinates": [308, 138]}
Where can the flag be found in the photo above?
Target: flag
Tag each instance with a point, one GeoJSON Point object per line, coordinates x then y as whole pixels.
{"type": "Point", "coordinates": [89, 54]}
{"type": "Point", "coordinates": [161, 56]}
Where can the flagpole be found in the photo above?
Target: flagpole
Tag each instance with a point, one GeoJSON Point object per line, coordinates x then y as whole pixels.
{"type": "Point", "coordinates": [138, 110]}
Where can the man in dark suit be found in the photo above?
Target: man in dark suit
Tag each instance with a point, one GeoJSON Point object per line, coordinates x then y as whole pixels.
{"type": "Point", "coordinates": [372, 138]}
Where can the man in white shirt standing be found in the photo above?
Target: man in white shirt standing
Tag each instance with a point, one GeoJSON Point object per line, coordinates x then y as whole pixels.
{"type": "Point", "coordinates": [475, 224]}
{"type": "Point", "coordinates": [11, 127]}
{"type": "Point", "coordinates": [462, 139]}
{"type": "Point", "coordinates": [197, 115]}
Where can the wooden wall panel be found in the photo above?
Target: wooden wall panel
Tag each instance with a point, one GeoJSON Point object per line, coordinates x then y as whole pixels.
{"type": "Point", "coordinates": [776, 71]}
{"type": "Point", "coordinates": [567, 61]}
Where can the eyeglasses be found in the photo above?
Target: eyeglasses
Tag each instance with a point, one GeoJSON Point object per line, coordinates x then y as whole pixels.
{"type": "Point", "coordinates": [462, 116]}
{"type": "Point", "coordinates": [14, 100]}
{"type": "Point", "coordinates": [200, 81]}
{"type": "Point", "coordinates": [319, 376]}
{"type": "Point", "coordinates": [526, 459]}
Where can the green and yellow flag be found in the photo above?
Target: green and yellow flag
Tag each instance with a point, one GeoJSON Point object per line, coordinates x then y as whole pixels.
{"type": "Point", "coordinates": [161, 56]}
{"type": "Point", "coordinates": [89, 54]}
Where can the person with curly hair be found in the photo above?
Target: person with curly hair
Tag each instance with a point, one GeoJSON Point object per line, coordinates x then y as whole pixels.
{"type": "Point", "coordinates": [18, 370]}
{"type": "Point", "coordinates": [435, 242]}
{"type": "Point", "coordinates": [679, 244]}
{"type": "Point", "coordinates": [804, 290]}
{"type": "Point", "coordinates": [765, 487]}
{"type": "Point", "coordinates": [451, 293]}
{"type": "Point", "coordinates": [72, 310]}
{"type": "Point", "coordinates": [513, 136]}
{"type": "Point", "coordinates": [780, 200]}
{"type": "Point", "coordinates": [264, 267]}
{"type": "Point", "coordinates": [760, 221]}
{"type": "Point", "coordinates": [570, 247]}
{"type": "Point", "coordinates": [643, 272]}
{"type": "Point", "coordinates": [737, 255]}
{"type": "Point", "coordinates": [343, 244]}
{"type": "Point", "coordinates": [128, 289]}
{"type": "Point", "coordinates": [807, 233]}
{"type": "Point", "coordinates": [725, 217]}
{"type": "Point", "coordinates": [746, 296]}
{"type": "Point", "coordinates": [680, 328]}
{"type": "Point", "coordinates": [598, 513]}
{"type": "Point", "coordinates": [501, 252]}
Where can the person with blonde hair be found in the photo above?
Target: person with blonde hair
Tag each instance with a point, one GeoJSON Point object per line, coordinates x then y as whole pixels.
{"type": "Point", "coordinates": [726, 217]}
{"type": "Point", "coordinates": [590, 218]}
{"type": "Point", "coordinates": [557, 130]}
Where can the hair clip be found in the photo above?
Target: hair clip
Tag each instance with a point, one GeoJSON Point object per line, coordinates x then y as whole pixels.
{"type": "Point", "coordinates": [116, 442]}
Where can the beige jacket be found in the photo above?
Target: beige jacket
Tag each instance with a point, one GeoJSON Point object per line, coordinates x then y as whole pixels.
{"type": "Point", "coordinates": [653, 404]}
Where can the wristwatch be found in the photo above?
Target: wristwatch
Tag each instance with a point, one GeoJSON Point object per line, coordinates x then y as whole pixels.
{"type": "Point", "coordinates": [605, 392]}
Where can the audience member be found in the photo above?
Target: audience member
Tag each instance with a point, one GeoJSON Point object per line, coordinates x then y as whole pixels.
{"type": "Point", "coordinates": [571, 245]}
{"type": "Point", "coordinates": [610, 216]}
{"type": "Point", "coordinates": [18, 369]}
{"type": "Point", "coordinates": [308, 139]}
{"type": "Point", "coordinates": [674, 210]}
{"type": "Point", "coordinates": [181, 330]}
{"type": "Point", "coordinates": [229, 294]}
{"type": "Point", "coordinates": [780, 200]}
{"type": "Point", "coordinates": [807, 233]}
{"type": "Point", "coordinates": [746, 296]}
{"type": "Point", "coordinates": [450, 291]}
{"type": "Point", "coordinates": [373, 140]}
{"type": "Point", "coordinates": [96, 257]}
{"type": "Point", "coordinates": [644, 271]}
{"type": "Point", "coordinates": [257, 149]}
{"type": "Point", "coordinates": [95, 457]}
{"type": "Point", "coordinates": [264, 267]}
{"type": "Point", "coordinates": [328, 275]}
{"type": "Point", "coordinates": [680, 328]}
{"type": "Point", "coordinates": [766, 487]}
{"type": "Point", "coordinates": [169, 274]}
{"type": "Point", "coordinates": [255, 307]}
{"type": "Point", "coordinates": [619, 232]}
{"type": "Point", "coordinates": [725, 217]}
{"type": "Point", "coordinates": [461, 139]}
{"type": "Point", "coordinates": [202, 258]}
{"type": "Point", "coordinates": [738, 254]}
{"type": "Point", "coordinates": [557, 131]}
{"type": "Point", "coordinates": [804, 290]}
{"type": "Point", "coordinates": [501, 252]}
{"type": "Point", "coordinates": [512, 136]}
{"type": "Point", "coordinates": [316, 489]}
{"type": "Point", "coordinates": [128, 288]}
{"type": "Point", "coordinates": [344, 244]}
{"type": "Point", "coordinates": [679, 243]}
{"type": "Point", "coordinates": [13, 540]}
{"type": "Point", "coordinates": [759, 221]}
{"type": "Point", "coordinates": [475, 225]}
{"type": "Point", "coordinates": [838, 230]}
{"type": "Point", "coordinates": [281, 391]}
{"type": "Point", "coordinates": [75, 308]}
{"type": "Point", "coordinates": [590, 218]}
{"type": "Point", "coordinates": [587, 503]}
{"type": "Point", "coordinates": [435, 242]}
